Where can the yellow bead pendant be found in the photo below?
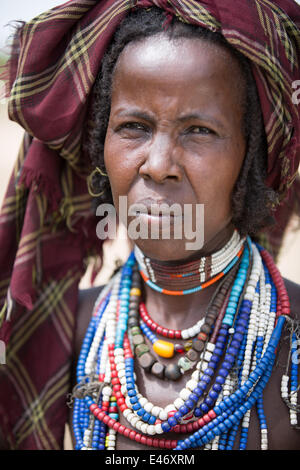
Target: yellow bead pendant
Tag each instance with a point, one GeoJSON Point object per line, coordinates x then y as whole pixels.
{"type": "Point", "coordinates": [135, 291]}
{"type": "Point", "coordinates": [163, 348]}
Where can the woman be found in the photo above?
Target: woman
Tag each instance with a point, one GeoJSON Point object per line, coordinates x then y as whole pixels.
{"type": "Point", "coordinates": [158, 141]}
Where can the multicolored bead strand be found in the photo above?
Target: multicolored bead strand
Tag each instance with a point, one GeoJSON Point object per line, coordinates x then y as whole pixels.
{"type": "Point", "coordinates": [290, 394]}
{"type": "Point", "coordinates": [294, 383]}
{"type": "Point", "coordinates": [220, 264]}
{"type": "Point", "coordinates": [169, 333]}
{"type": "Point", "coordinates": [220, 420]}
{"type": "Point", "coordinates": [234, 349]}
{"type": "Point", "coordinates": [191, 273]}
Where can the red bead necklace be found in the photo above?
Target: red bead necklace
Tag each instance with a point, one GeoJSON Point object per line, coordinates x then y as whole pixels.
{"type": "Point", "coordinates": [155, 327]}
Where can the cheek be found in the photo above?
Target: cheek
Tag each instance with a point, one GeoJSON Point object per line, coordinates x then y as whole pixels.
{"type": "Point", "coordinates": [121, 171]}
{"type": "Point", "coordinates": [213, 178]}
{"type": "Point", "coordinates": [230, 163]}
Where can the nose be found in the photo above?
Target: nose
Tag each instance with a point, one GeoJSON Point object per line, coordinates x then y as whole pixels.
{"type": "Point", "coordinates": [160, 163]}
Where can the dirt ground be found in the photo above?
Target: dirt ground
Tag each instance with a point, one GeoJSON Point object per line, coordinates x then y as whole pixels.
{"type": "Point", "coordinates": [10, 138]}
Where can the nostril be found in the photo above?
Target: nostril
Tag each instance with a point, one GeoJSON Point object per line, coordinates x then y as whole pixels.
{"type": "Point", "coordinates": [160, 165]}
{"type": "Point", "coordinates": [173, 177]}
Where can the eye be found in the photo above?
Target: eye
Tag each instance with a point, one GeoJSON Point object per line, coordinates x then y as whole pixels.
{"type": "Point", "coordinates": [133, 126]}
{"type": "Point", "coordinates": [199, 130]}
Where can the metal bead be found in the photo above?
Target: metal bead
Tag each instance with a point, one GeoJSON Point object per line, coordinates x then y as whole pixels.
{"type": "Point", "coordinates": [210, 320]}
{"type": "Point", "coordinates": [192, 355]}
{"type": "Point", "coordinates": [137, 339]}
{"type": "Point", "coordinates": [146, 361]}
{"type": "Point", "coordinates": [158, 370]}
{"type": "Point", "coordinates": [133, 322]}
{"type": "Point", "coordinates": [205, 329]}
{"type": "Point", "coordinates": [172, 372]}
{"type": "Point", "coordinates": [198, 345]}
{"type": "Point", "coordinates": [141, 349]}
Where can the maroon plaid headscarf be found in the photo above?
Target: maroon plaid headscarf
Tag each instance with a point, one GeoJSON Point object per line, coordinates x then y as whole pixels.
{"type": "Point", "coordinates": [47, 226]}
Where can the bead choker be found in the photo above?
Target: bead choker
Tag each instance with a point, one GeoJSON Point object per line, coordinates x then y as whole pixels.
{"type": "Point", "coordinates": [193, 276]}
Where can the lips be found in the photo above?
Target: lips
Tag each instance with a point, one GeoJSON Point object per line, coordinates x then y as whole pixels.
{"type": "Point", "coordinates": [157, 208]}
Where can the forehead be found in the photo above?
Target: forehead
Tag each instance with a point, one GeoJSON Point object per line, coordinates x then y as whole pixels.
{"type": "Point", "coordinates": [184, 68]}
{"type": "Point", "coordinates": [161, 48]}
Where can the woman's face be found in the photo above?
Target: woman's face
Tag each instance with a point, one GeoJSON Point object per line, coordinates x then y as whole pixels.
{"type": "Point", "coordinates": [175, 135]}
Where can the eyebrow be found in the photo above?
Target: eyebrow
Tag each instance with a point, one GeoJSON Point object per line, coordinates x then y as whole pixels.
{"type": "Point", "coordinates": [201, 117]}
{"type": "Point", "coordinates": [184, 118]}
{"type": "Point", "coordinates": [137, 114]}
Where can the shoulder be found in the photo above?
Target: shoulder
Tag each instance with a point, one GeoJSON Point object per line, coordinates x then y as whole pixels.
{"type": "Point", "coordinates": [293, 291]}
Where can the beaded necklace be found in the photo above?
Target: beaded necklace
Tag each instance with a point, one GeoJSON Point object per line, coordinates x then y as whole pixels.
{"type": "Point", "coordinates": [231, 363]}
{"type": "Point", "coordinates": [193, 276]}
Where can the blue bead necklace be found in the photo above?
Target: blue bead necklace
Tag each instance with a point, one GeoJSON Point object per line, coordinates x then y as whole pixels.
{"type": "Point", "coordinates": [225, 384]}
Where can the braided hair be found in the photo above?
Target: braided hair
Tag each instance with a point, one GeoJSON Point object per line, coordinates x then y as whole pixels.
{"type": "Point", "coordinates": [252, 200]}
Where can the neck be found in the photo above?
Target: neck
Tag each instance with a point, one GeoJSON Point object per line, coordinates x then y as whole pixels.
{"type": "Point", "coordinates": [180, 311]}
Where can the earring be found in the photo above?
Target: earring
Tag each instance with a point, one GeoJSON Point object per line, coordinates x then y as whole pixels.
{"type": "Point", "coordinates": [90, 181]}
